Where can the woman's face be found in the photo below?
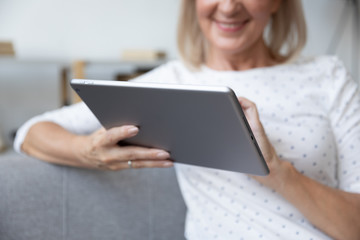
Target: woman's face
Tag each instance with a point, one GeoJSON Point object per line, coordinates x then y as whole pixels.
{"type": "Point", "coordinates": [234, 26]}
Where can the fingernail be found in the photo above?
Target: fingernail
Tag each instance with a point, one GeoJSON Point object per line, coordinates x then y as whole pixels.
{"type": "Point", "coordinates": [163, 155]}
{"type": "Point", "coordinates": [132, 130]}
{"type": "Point", "coordinates": [168, 164]}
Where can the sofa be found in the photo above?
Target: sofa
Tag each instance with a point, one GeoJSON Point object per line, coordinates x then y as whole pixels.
{"type": "Point", "coordinates": [39, 201]}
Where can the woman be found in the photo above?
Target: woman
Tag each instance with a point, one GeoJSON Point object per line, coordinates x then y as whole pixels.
{"type": "Point", "coordinates": [308, 127]}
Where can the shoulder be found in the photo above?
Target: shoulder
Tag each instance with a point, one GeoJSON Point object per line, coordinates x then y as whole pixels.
{"type": "Point", "coordinates": [333, 70]}
{"type": "Point", "coordinates": [327, 69]}
{"type": "Point", "coordinates": [170, 72]}
{"type": "Point", "coordinates": [324, 63]}
{"type": "Point", "coordinates": [331, 75]}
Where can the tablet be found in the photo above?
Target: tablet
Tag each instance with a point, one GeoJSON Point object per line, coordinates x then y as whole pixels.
{"type": "Point", "coordinates": [199, 125]}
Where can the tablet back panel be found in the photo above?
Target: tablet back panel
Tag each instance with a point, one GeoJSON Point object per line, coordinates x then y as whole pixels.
{"type": "Point", "coordinates": [198, 125]}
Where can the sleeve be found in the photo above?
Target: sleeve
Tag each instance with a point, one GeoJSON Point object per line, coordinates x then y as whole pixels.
{"type": "Point", "coordinates": [76, 118]}
{"type": "Point", "coordinates": [345, 121]}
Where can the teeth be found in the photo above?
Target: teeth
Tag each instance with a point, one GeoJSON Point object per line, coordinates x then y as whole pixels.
{"type": "Point", "coordinates": [230, 25]}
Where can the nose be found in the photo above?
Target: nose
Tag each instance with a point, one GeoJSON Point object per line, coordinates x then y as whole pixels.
{"type": "Point", "coordinates": [229, 7]}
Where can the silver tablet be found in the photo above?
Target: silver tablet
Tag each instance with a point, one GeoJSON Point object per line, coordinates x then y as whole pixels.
{"type": "Point", "coordinates": [198, 125]}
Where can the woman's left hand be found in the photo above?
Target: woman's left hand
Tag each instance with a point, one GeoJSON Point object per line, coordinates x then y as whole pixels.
{"type": "Point", "coordinates": [279, 170]}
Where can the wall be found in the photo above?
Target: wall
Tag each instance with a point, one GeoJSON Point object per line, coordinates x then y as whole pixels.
{"type": "Point", "coordinates": [89, 29]}
{"type": "Point", "coordinates": [322, 18]}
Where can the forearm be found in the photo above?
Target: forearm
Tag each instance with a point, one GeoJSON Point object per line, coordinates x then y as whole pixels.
{"type": "Point", "coordinates": [52, 143]}
{"type": "Point", "coordinates": [335, 212]}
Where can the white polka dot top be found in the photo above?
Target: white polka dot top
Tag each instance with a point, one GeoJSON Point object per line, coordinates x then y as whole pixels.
{"type": "Point", "coordinates": [310, 110]}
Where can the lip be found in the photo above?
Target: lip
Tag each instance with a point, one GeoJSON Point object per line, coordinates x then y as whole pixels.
{"type": "Point", "coordinates": [233, 26]}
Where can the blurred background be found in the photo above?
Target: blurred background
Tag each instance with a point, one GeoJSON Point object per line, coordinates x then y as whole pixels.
{"type": "Point", "coordinates": [43, 44]}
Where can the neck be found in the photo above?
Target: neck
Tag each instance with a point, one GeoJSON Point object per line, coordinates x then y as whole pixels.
{"type": "Point", "coordinates": [255, 56]}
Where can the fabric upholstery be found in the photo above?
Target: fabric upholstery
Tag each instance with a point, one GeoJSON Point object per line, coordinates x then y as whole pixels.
{"type": "Point", "coordinates": [45, 201]}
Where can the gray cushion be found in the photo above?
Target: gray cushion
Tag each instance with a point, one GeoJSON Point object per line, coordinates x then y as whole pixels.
{"type": "Point", "coordinates": [45, 201]}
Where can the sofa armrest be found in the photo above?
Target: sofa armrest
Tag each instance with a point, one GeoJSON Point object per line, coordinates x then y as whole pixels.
{"type": "Point", "coordinates": [39, 200]}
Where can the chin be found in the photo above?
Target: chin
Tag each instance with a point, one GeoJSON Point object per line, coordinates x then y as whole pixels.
{"type": "Point", "coordinates": [232, 45]}
{"type": "Point", "coordinates": [230, 48]}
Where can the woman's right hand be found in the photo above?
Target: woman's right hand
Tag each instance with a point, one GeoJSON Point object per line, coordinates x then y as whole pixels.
{"type": "Point", "coordinates": [101, 150]}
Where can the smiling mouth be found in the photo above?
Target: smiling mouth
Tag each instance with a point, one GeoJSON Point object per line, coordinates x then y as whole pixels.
{"type": "Point", "coordinates": [231, 27]}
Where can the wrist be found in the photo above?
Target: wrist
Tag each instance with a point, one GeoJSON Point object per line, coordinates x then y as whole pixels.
{"type": "Point", "coordinates": [78, 143]}
{"type": "Point", "coordinates": [285, 177]}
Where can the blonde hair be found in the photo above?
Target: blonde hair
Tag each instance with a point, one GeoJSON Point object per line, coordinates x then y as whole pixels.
{"type": "Point", "coordinates": [285, 39]}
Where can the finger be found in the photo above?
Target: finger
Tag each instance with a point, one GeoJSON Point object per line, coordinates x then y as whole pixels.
{"type": "Point", "coordinates": [140, 164]}
{"type": "Point", "coordinates": [251, 112]}
{"type": "Point", "coordinates": [120, 154]}
{"type": "Point", "coordinates": [152, 164]}
{"type": "Point", "coordinates": [116, 134]}
{"type": "Point", "coordinates": [248, 106]}
{"type": "Point", "coordinates": [246, 103]}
